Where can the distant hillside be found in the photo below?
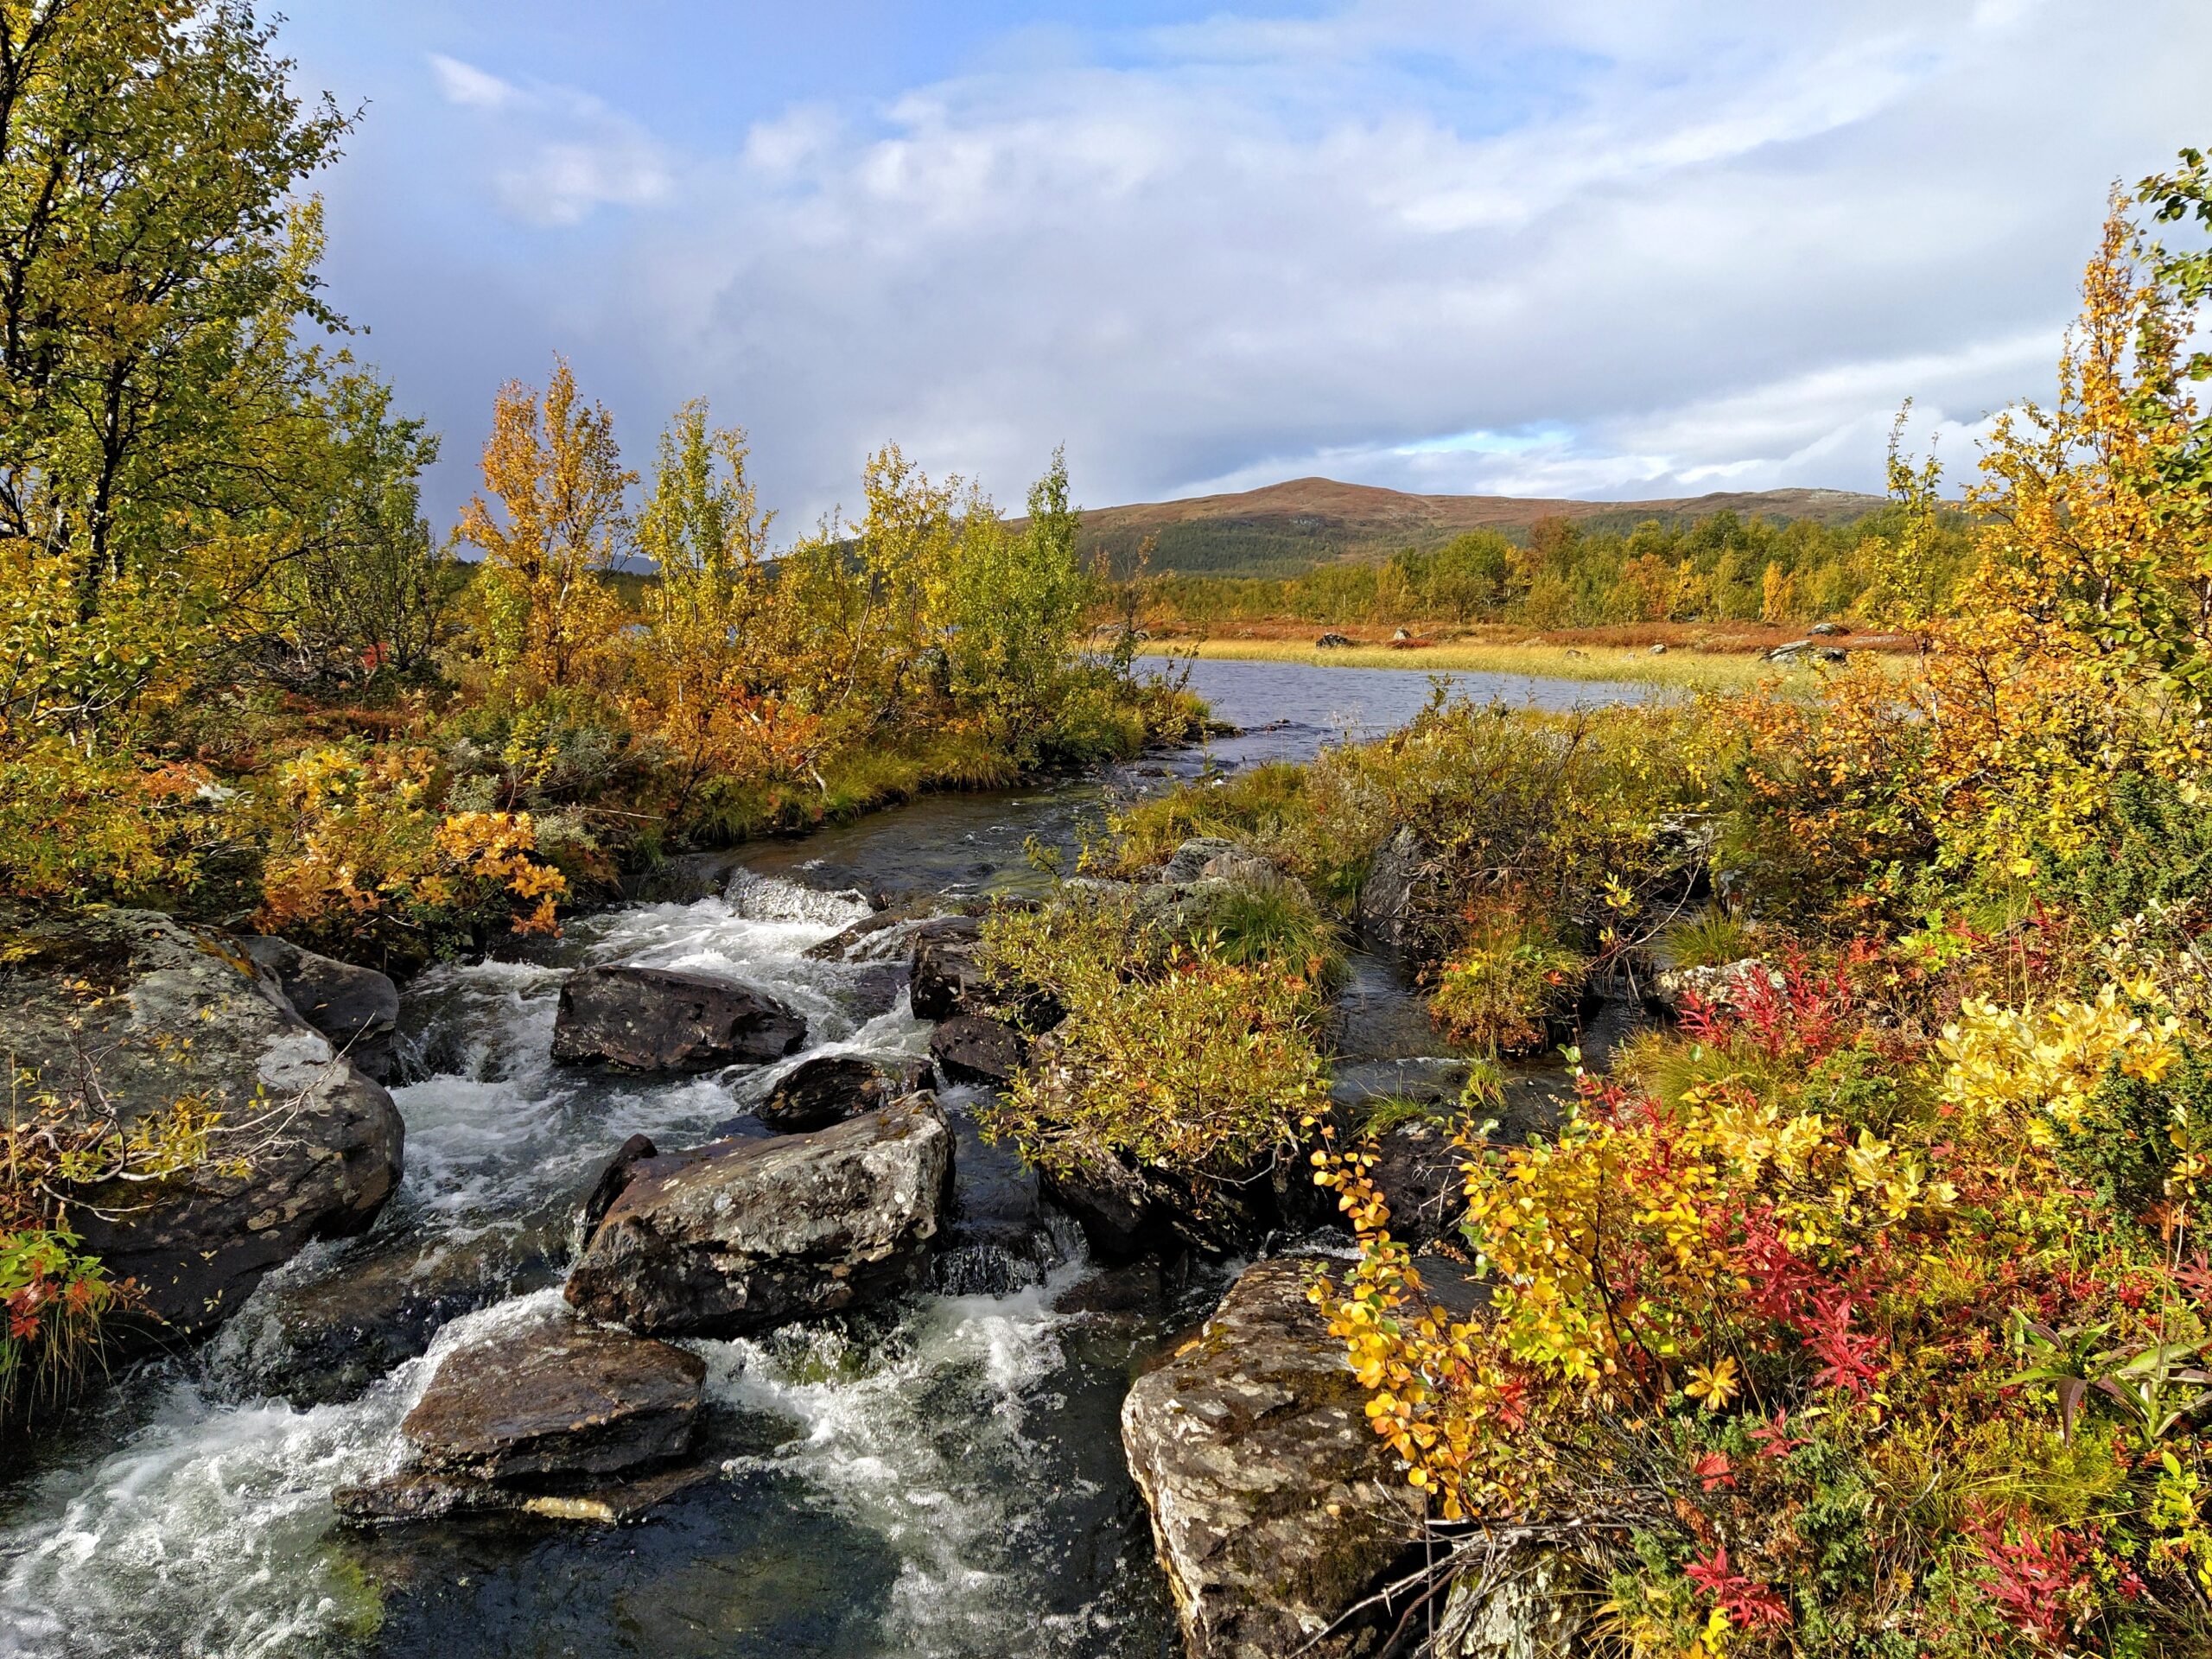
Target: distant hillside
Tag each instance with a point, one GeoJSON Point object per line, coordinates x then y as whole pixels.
{"type": "Point", "coordinates": [1284, 529]}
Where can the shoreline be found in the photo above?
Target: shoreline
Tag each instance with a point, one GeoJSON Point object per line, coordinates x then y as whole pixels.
{"type": "Point", "coordinates": [1683, 669]}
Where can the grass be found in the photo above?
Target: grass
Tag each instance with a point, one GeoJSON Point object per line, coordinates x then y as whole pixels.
{"type": "Point", "coordinates": [1687, 670]}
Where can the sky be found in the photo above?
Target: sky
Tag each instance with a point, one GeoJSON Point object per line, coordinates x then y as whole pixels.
{"type": "Point", "coordinates": [1611, 249]}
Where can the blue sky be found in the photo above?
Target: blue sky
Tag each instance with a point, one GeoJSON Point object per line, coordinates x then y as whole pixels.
{"type": "Point", "coordinates": [1618, 250]}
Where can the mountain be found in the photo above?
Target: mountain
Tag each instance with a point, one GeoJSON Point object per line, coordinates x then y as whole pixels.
{"type": "Point", "coordinates": [1284, 529]}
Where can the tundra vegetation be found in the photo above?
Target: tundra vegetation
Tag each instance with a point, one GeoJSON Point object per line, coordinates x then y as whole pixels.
{"type": "Point", "coordinates": [1864, 1306]}
{"type": "Point", "coordinates": [243, 680]}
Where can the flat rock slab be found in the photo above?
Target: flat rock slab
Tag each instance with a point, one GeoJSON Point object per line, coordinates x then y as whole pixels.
{"type": "Point", "coordinates": [741, 1235]}
{"type": "Point", "coordinates": [1275, 1506]}
{"type": "Point", "coordinates": [565, 1417]}
{"type": "Point", "coordinates": [663, 1020]}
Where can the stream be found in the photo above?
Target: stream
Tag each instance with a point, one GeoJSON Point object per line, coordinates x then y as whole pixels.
{"type": "Point", "coordinates": [943, 1477]}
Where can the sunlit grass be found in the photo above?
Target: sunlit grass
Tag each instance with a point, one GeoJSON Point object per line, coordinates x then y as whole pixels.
{"type": "Point", "coordinates": [1690, 671]}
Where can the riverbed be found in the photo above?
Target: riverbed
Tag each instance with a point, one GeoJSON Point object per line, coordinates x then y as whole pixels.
{"type": "Point", "coordinates": [943, 1479]}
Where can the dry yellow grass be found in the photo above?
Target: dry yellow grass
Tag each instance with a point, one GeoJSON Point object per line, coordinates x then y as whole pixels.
{"type": "Point", "coordinates": [1689, 671]}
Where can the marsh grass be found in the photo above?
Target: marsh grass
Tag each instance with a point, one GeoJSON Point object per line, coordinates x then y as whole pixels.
{"type": "Point", "coordinates": [1684, 669]}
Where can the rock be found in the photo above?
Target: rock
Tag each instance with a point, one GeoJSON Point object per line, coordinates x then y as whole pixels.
{"type": "Point", "coordinates": [739, 1235]}
{"type": "Point", "coordinates": [946, 966]}
{"type": "Point", "coordinates": [1417, 1171]}
{"type": "Point", "coordinates": [999, 1239]}
{"type": "Point", "coordinates": [1534, 1607]}
{"type": "Point", "coordinates": [1825, 629]}
{"type": "Point", "coordinates": [970, 1048]}
{"type": "Point", "coordinates": [1831, 654]}
{"type": "Point", "coordinates": [611, 1180]}
{"type": "Point", "coordinates": [833, 1087]}
{"type": "Point", "coordinates": [121, 1013]}
{"type": "Point", "coordinates": [1399, 636]}
{"type": "Point", "coordinates": [1274, 1504]}
{"type": "Point", "coordinates": [536, 1420]}
{"type": "Point", "coordinates": [660, 1019]}
{"type": "Point", "coordinates": [1787, 653]}
{"type": "Point", "coordinates": [1659, 649]}
{"type": "Point", "coordinates": [1332, 641]}
{"type": "Point", "coordinates": [1188, 862]}
{"type": "Point", "coordinates": [322, 1338]}
{"type": "Point", "coordinates": [1110, 1202]}
{"type": "Point", "coordinates": [1403, 903]}
{"type": "Point", "coordinates": [357, 1008]}
{"type": "Point", "coordinates": [1722, 988]}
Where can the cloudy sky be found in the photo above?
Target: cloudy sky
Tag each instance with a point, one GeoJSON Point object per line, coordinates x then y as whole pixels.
{"type": "Point", "coordinates": [1602, 248]}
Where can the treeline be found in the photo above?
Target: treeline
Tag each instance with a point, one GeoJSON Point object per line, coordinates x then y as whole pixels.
{"type": "Point", "coordinates": [241, 675]}
{"type": "Point", "coordinates": [1716, 569]}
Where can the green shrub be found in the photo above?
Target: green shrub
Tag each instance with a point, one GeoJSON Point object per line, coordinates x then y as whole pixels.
{"type": "Point", "coordinates": [1170, 1055]}
{"type": "Point", "coordinates": [1711, 939]}
{"type": "Point", "coordinates": [1510, 987]}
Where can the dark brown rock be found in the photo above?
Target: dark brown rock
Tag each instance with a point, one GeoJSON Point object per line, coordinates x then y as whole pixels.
{"type": "Point", "coordinates": [832, 1088]}
{"type": "Point", "coordinates": [120, 1014]}
{"type": "Point", "coordinates": [566, 1397]}
{"type": "Point", "coordinates": [946, 963]}
{"type": "Point", "coordinates": [564, 1418]}
{"type": "Point", "coordinates": [660, 1019]}
{"type": "Point", "coordinates": [742, 1235]}
{"type": "Point", "coordinates": [1418, 1171]}
{"type": "Point", "coordinates": [971, 1048]}
{"type": "Point", "coordinates": [1274, 1502]}
{"type": "Point", "coordinates": [613, 1179]}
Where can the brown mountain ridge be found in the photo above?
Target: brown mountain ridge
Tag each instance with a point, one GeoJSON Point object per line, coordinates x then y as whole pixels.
{"type": "Point", "coordinates": [1283, 529]}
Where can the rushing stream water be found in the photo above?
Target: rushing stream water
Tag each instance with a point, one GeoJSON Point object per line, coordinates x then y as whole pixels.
{"type": "Point", "coordinates": [942, 1478]}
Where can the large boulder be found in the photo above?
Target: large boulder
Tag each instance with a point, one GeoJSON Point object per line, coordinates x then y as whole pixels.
{"type": "Point", "coordinates": [739, 1235]}
{"type": "Point", "coordinates": [120, 1015]}
{"type": "Point", "coordinates": [356, 1007]}
{"type": "Point", "coordinates": [1274, 1502]}
{"type": "Point", "coordinates": [663, 1020]}
{"type": "Point", "coordinates": [555, 1418]}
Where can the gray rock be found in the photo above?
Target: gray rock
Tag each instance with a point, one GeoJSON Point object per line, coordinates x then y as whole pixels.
{"type": "Point", "coordinates": [660, 1019]}
{"type": "Point", "coordinates": [1659, 649]}
{"type": "Point", "coordinates": [1722, 988]}
{"type": "Point", "coordinates": [970, 1048]}
{"type": "Point", "coordinates": [1188, 861]}
{"type": "Point", "coordinates": [1825, 629]}
{"type": "Point", "coordinates": [1275, 1506]}
{"type": "Point", "coordinates": [121, 1013]}
{"type": "Point", "coordinates": [1332, 641]}
{"type": "Point", "coordinates": [556, 1411]}
{"type": "Point", "coordinates": [357, 1008]}
{"type": "Point", "coordinates": [833, 1087]}
{"type": "Point", "coordinates": [1831, 653]}
{"type": "Point", "coordinates": [1535, 1606]}
{"type": "Point", "coordinates": [739, 1235]}
{"type": "Point", "coordinates": [1404, 901]}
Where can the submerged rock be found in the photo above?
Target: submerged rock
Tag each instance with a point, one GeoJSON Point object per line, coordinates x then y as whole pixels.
{"type": "Point", "coordinates": [357, 1008]}
{"type": "Point", "coordinates": [832, 1088]}
{"type": "Point", "coordinates": [739, 1235]}
{"type": "Point", "coordinates": [122, 1014]}
{"type": "Point", "coordinates": [661, 1020]}
{"type": "Point", "coordinates": [1274, 1502]}
{"type": "Point", "coordinates": [323, 1338]}
{"type": "Point", "coordinates": [557, 1420]}
{"type": "Point", "coordinates": [1418, 1171]}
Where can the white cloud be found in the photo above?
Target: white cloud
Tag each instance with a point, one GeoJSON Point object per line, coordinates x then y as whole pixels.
{"type": "Point", "coordinates": [1672, 246]}
{"type": "Point", "coordinates": [552, 154]}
